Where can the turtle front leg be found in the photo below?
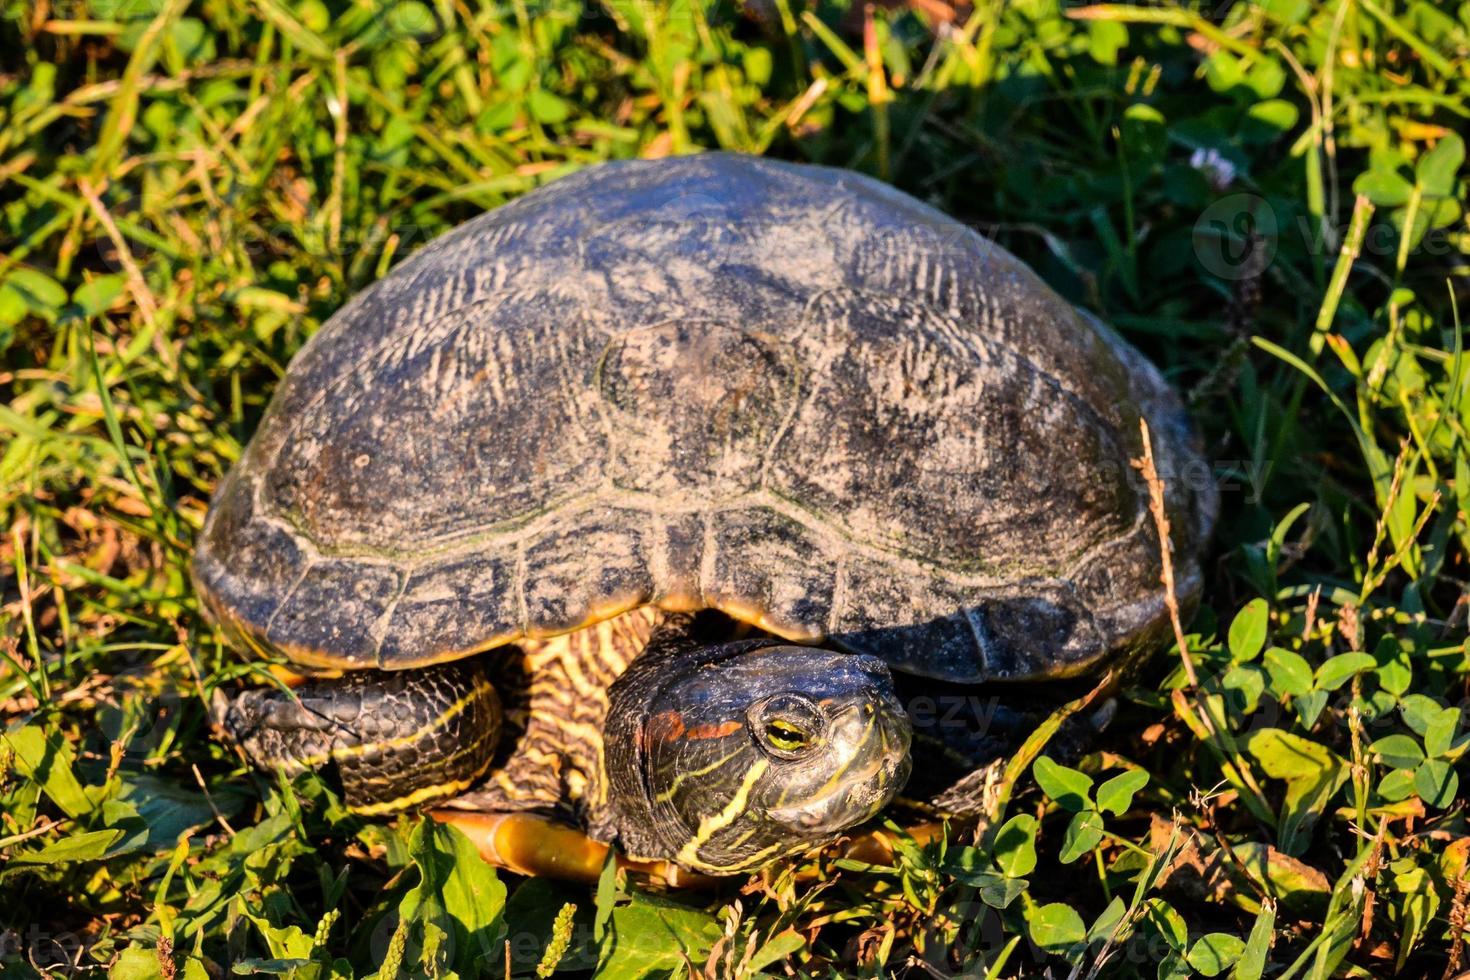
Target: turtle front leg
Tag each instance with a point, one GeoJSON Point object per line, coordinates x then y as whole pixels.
{"type": "Point", "coordinates": [538, 846]}
{"type": "Point", "coordinates": [529, 844]}
{"type": "Point", "coordinates": [396, 738]}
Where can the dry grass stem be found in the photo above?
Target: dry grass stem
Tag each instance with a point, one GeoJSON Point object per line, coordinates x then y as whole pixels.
{"type": "Point", "coordinates": [1146, 467]}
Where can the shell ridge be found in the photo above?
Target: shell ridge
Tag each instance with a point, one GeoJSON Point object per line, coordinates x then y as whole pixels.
{"type": "Point", "coordinates": [825, 358]}
{"type": "Point", "coordinates": [286, 597]}
{"type": "Point", "coordinates": [839, 593]}
{"type": "Point", "coordinates": [522, 605]}
{"type": "Point", "coordinates": [707, 557]}
{"type": "Point", "coordinates": [379, 630]}
{"type": "Point", "coordinates": [615, 449]}
{"type": "Point", "coordinates": [982, 643]}
{"type": "Point", "coordinates": [307, 546]}
{"type": "Point", "coordinates": [527, 532]}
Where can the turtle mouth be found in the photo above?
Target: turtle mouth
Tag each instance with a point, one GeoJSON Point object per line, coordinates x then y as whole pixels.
{"type": "Point", "coordinates": [879, 767]}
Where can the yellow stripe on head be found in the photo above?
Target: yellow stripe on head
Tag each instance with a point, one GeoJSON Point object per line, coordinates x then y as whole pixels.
{"type": "Point", "coordinates": [711, 825]}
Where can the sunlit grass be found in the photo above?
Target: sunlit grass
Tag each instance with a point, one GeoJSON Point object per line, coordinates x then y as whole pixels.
{"type": "Point", "coordinates": [1267, 199]}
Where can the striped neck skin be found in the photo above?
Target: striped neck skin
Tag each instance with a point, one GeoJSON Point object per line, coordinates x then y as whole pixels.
{"type": "Point", "coordinates": [556, 702]}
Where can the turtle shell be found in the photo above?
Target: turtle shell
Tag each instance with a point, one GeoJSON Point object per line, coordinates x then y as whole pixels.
{"type": "Point", "coordinates": [787, 392]}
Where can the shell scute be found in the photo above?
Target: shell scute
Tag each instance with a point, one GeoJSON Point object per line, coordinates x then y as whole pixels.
{"type": "Point", "coordinates": [772, 569]}
{"type": "Point", "coordinates": [487, 423]}
{"type": "Point", "coordinates": [912, 414]}
{"type": "Point", "coordinates": [454, 605]}
{"type": "Point", "coordinates": [1035, 631]}
{"type": "Point", "coordinates": [247, 564]}
{"type": "Point", "coordinates": [564, 590]}
{"type": "Point", "coordinates": [357, 594]}
{"type": "Point", "coordinates": [695, 406]}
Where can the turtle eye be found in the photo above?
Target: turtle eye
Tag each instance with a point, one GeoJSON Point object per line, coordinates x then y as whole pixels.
{"type": "Point", "coordinates": [786, 725]}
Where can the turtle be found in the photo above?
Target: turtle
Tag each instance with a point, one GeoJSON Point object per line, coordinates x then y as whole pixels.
{"type": "Point", "coordinates": [658, 500]}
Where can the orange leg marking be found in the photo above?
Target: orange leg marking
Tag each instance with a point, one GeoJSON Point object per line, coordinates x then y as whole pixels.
{"type": "Point", "coordinates": [532, 845]}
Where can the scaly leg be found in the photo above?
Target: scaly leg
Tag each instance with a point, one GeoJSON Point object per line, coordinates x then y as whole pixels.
{"type": "Point", "coordinates": [396, 738]}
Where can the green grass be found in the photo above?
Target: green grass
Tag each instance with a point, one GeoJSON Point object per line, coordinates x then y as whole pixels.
{"type": "Point", "coordinates": [188, 188]}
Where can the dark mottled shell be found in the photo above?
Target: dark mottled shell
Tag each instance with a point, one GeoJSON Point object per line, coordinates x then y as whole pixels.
{"type": "Point", "coordinates": [787, 392]}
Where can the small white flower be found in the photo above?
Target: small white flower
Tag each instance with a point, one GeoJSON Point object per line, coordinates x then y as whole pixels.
{"type": "Point", "coordinates": [1219, 171]}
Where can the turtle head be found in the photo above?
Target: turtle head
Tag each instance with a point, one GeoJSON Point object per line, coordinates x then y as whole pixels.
{"type": "Point", "coordinates": [730, 756]}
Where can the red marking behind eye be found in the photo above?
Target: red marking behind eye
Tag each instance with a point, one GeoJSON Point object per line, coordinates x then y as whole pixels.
{"type": "Point", "coordinates": [665, 726]}
{"type": "Point", "coordinates": [713, 730]}
{"type": "Point", "coordinates": [668, 726]}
